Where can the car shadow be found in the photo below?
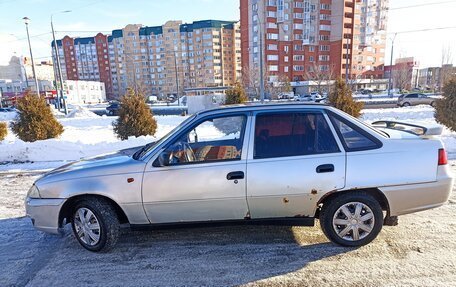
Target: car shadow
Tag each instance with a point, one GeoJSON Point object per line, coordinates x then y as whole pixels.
{"type": "Point", "coordinates": [213, 256]}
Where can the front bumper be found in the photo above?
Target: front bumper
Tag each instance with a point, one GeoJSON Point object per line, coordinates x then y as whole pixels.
{"type": "Point", "coordinates": [44, 213]}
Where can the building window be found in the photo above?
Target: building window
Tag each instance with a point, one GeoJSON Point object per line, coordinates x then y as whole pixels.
{"type": "Point", "coordinates": [325, 6]}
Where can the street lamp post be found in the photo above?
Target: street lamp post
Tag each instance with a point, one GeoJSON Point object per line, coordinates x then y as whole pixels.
{"type": "Point", "coordinates": [177, 75]}
{"type": "Point", "coordinates": [59, 68]}
{"type": "Point", "coordinates": [261, 60]}
{"type": "Point", "coordinates": [391, 66]}
{"type": "Point", "coordinates": [27, 21]}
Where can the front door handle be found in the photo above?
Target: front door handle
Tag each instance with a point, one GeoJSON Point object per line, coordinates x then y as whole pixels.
{"type": "Point", "coordinates": [325, 168]}
{"type": "Point", "coordinates": [235, 175]}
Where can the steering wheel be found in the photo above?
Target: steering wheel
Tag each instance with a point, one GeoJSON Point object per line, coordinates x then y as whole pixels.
{"type": "Point", "coordinates": [182, 148]}
{"type": "Point", "coordinates": [188, 152]}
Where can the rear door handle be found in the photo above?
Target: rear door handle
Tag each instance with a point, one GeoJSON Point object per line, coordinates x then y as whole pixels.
{"type": "Point", "coordinates": [235, 175]}
{"type": "Point", "coordinates": [325, 168]}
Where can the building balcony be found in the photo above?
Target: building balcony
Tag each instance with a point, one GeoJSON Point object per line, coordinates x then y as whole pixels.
{"type": "Point", "coordinates": [349, 4]}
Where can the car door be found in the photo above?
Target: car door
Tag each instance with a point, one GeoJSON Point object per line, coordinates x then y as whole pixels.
{"type": "Point", "coordinates": [294, 158]}
{"type": "Point", "coordinates": [423, 99]}
{"type": "Point", "coordinates": [200, 175]}
{"type": "Point", "coordinates": [414, 99]}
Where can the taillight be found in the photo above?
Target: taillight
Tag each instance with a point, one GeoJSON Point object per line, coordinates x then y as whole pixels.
{"type": "Point", "coordinates": [443, 159]}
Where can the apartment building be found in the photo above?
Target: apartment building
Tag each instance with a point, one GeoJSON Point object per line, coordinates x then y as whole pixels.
{"type": "Point", "coordinates": [85, 59]}
{"type": "Point", "coordinates": [20, 68]}
{"type": "Point", "coordinates": [159, 60]}
{"type": "Point", "coordinates": [303, 39]}
{"type": "Point", "coordinates": [433, 78]}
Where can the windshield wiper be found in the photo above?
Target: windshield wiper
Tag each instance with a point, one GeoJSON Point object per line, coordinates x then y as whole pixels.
{"type": "Point", "coordinates": [138, 154]}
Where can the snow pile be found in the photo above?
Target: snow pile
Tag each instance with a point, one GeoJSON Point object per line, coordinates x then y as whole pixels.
{"type": "Point", "coordinates": [7, 116]}
{"type": "Point", "coordinates": [83, 137]}
{"type": "Point", "coordinates": [422, 114]}
{"type": "Point", "coordinates": [80, 112]}
{"type": "Point", "coordinates": [57, 113]}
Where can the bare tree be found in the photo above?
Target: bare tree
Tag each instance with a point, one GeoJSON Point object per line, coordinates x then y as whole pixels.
{"type": "Point", "coordinates": [447, 55]}
{"type": "Point", "coordinates": [321, 77]}
{"type": "Point", "coordinates": [280, 86]}
{"type": "Point", "coordinates": [251, 80]}
{"type": "Point", "coordinates": [447, 70]}
{"type": "Point", "coordinates": [402, 77]}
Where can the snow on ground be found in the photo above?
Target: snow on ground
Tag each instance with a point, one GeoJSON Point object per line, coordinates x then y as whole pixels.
{"type": "Point", "coordinates": [87, 134]}
{"type": "Point", "coordinates": [80, 112]}
{"type": "Point", "coordinates": [7, 116]}
{"type": "Point", "coordinates": [83, 137]}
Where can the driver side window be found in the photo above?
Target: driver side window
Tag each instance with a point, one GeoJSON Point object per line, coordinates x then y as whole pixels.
{"type": "Point", "coordinates": [215, 139]}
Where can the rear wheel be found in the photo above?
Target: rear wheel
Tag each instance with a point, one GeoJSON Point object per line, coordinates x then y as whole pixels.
{"type": "Point", "coordinates": [432, 104]}
{"type": "Point", "coordinates": [406, 104]}
{"type": "Point", "coordinates": [351, 219]}
{"type": "Point", "coordinates": [95, 224]}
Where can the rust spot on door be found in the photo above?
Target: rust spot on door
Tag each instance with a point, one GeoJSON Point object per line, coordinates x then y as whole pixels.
{"type": "Point", "coordinates": [130, 179]}
{"type": "Point", "coordinates": [313, 191]}
{"type": "Point", "coordinates": [285, 200]}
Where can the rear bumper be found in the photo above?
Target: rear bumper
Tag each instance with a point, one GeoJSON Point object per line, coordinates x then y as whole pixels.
{"type": "Point", "coordinates": [44, 213]}
{"type": "Point", "coordinates": [411, 198]}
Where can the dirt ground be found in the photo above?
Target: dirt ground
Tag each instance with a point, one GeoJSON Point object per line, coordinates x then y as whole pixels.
{"type": "Point", "coordinates": [421, 251]}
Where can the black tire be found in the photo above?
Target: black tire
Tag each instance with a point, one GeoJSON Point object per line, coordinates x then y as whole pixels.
{"type": "Point", "coordinates": [432, 104]}
{"type": "Point", "coordinates": [108, 221]}
{"type": "Point", "coordinates": [406, 104]}
{"type": "Point", "coordinates": [333, 204]}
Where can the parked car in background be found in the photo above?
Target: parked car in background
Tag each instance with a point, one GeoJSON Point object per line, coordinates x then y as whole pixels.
{"type": "Point", "coordinates": [113, 109]}
{"type": "Point", "coordinates": [415, 99]}
{"type": "Point", "coordinates": [245, 164]}
{"type": "Point", "coordinates": [312, 97]}
{"type": "Point", "coordinates": [303, 98]}
{"type": "Point", "coordinates": [8, 110]}
{"type": "Point", "coordinates": [286, 96]}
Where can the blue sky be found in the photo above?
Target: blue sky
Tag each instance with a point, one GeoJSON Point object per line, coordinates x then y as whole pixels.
{"type": "Point", "coordinates": [99, 15]}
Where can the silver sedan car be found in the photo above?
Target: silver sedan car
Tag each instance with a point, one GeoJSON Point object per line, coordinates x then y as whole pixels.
{"type": "Point", "coordinates": [270, 164]}
{"type": "Point", "coordinates": [415, 99]}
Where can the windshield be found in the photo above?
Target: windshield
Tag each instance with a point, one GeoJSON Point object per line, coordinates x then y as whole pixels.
{"type": "Point", "coordinates": [148, 147]}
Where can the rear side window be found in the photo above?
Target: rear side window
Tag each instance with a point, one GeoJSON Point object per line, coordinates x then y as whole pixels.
{"type": "Point", "coordinates": [353, 137]}
{"type": "Point", "coordinates": [292, 134]}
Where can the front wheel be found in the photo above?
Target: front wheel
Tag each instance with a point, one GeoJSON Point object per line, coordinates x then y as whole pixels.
{"type": "Point", "coordinates": [351, 219]}
{"type": "Point", "coordinates": [95, 224]}
{"type": "Point", "coordinates": [406, 104]}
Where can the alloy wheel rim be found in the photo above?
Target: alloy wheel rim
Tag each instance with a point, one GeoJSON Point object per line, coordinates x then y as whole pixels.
{"type": "Point", "coordinates": [87, 226]}
{"type": "Point", "coordinates": [353, 221]}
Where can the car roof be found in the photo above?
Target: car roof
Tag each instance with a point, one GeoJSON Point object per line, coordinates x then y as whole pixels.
{"type": "Point", "coordinates": [264, 106]}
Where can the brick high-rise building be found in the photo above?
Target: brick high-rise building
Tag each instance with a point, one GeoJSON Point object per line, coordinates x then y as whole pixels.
{"type": "Point", "coordinates": [303, 38]}
{"type": "Point", "coordinates": [85, 59]}
{"type": "Point", "coordinates": [158, 59]}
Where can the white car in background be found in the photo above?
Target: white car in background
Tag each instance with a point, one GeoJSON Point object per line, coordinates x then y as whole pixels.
{"type": "Point", "coordinates": [312, 97]}
{"type": "Point", "coordinates": [271, 164]}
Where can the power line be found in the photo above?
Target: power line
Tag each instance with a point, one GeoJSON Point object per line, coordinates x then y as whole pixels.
{"type": "Point", "coordinates": [22, 39]}
{"type": "Point", "coordinates": [423, 30]}
{"type": "Point", "coordinates": [420, 5]}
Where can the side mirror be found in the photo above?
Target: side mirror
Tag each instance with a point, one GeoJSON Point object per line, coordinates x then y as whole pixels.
{"type": "Point", "coordinates": [162, 160]}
